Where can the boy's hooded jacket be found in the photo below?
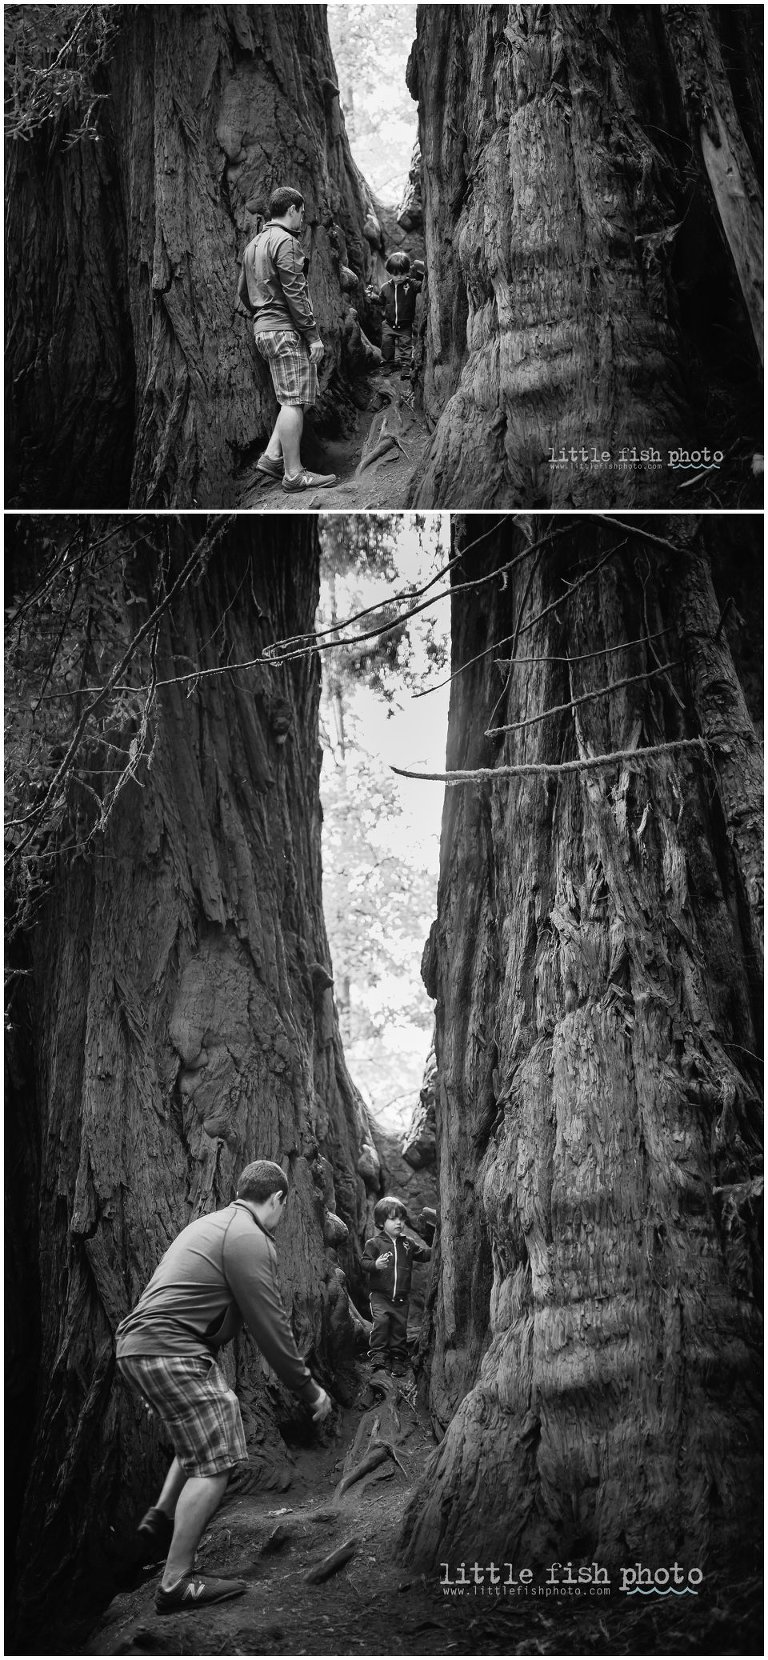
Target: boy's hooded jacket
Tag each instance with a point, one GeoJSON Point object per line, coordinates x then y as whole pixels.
{"type": "Point", "coordinates": [399, 302]}
{"type": "Point", "coordinates": [394, 1281]}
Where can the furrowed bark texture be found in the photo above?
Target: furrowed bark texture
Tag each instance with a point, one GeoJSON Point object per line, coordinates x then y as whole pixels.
{"type": "Point", "coordinates": [211, 107]}
{"type": "Point", "coordinates": [70, 372]}
{"type": "Point", "coordinates": [567, 254]}
{"type": "Point", "coordinates": [181, 1026]}
{"type": "Point", "coordinates": [598, 1020]}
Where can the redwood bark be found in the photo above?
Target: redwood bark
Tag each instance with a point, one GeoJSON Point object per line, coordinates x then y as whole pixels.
{"type": "Point", "coordinates": [598, 1121]}
{"type": "Point", "coordinates": [177, 1026]}
{"type": "Point", "coordinates": [210, 108]}
{"type": "Point", "coordinates": [578, 289]}
{"type": "Point", "coordinates": [70, 372]}
{"type": "Point", "coordinates": [722, 146]}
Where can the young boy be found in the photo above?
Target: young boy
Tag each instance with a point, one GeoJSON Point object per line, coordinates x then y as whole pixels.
{"type": "Point", "coordinates": [398, 297]}
{"type": "Point", "coordinates": [387, 1263]}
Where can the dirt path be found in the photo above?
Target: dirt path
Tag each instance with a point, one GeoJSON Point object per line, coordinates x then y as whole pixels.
{"type": "Point", "coordinates": [391, 436]}
{"type": "Point", "coordinates": [375, 1604]}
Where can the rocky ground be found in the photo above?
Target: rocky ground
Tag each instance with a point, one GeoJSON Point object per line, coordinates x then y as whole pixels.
{"type": "Point", "coordinates": [375, 1602]}
{"type": "Point", "coordinates": [373, 464]}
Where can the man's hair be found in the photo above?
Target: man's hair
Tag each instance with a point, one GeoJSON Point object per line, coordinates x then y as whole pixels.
{"type": "Point", "coordinates": [260, 1180]}
{"type": "Point", "coordinates": [388, 1206]}
{"type": "Point", "coordinates": [398, 265]}
{"type": "Point", "coordinates": [282, 199]}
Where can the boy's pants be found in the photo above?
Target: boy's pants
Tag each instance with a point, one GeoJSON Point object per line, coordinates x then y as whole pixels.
{"type": "Point", "coordinates": [390, 1325]}
{"type": "Point", "coordinates": [402, 339]}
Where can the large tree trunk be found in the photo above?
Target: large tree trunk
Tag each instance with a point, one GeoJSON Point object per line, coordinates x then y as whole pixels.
{"type": "Point", "coordinates": [176, 1022]}
{"type": "Point", "coordinates": [580, 290]}
{"type": "Point", "coordinates": [70, 370]}
{"type": "Point", "coordinates": [598, 1033]}
{"type": "Point", "coordinates": [209, 108]}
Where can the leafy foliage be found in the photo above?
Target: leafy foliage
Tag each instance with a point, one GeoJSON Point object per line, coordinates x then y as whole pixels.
{"type": "Point", "coordinates": [378, 897]}
{"type": "Point", "coordinates": [371, 45]}
{"type": "Point", "coordinates": [52, 59]}
{"type": "Point", "coordinates": [362, 549]}
{"type": "Point", "coordinates": [84, 602]}
{"type": "Point", "coordinates": [379, 878]}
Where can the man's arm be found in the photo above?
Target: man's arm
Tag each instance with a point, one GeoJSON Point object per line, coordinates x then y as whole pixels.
{"type": "Point", "coordinates": [242, 297]}
{"type": "Point", "coordinates": [249, 1266]}
{"type": "Point", "coordinates": [289, 263]}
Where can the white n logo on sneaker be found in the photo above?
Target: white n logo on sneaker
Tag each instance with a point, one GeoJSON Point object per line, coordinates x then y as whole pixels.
{"type": "Point", "coordinates": [193, 1590]}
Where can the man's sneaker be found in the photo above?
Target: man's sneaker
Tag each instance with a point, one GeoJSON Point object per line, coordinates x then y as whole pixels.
{"type": "Point", "coordinates": [273, 469]}
{"type": "Point", "coordinates": [153, 1538]}
{"type": "Point", "coordinates": [308, 481]}
{"type": "Point", "coordinates": [195, 1589]}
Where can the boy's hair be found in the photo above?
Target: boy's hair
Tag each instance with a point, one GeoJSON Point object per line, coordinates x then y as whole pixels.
{"type": "Point", "coordinates": [398, 265]}
{"type": "Point", "coordinates": [260, 1180]}
{"type": "Point", "coordinates": [388, 1206]}
{"type": "Point", "coordinates": [283, 198]}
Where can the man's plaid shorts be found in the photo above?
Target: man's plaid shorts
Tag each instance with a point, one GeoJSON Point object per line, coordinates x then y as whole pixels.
{"type": "Point", "coordinates": [200, 1415]}
{"type": "Point", "coordinates": [294, 375]}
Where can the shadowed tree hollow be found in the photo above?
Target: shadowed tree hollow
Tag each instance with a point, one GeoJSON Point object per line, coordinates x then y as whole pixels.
{"type": "Point", "coordinates": [597, 963]}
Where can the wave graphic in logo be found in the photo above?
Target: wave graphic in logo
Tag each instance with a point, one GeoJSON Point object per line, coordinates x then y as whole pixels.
{"type": "Point", "coordinates": [654, 1591]}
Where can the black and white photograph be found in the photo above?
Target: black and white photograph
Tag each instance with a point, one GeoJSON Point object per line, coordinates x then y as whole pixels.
{"type": "Point", "coordinates": [383, 1032]}
{"type": "Point", "coordinates": [383, 738]}
{"type": "Point", "coordinates": [522, 256]}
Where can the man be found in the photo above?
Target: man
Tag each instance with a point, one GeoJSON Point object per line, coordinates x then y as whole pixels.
{"type": "Point", "coordinates": [221, 1271]}
{"type": "Point", "coordinates": [273, 290]}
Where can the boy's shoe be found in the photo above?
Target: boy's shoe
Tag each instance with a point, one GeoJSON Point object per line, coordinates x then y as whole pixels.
{"type": "Point", "coordinates": [273, 469]}
{"type": "Point", "coordinates": [307, 481]}
{"type": "Point", "coordinates": [153, 1538]}
{"type": "Point", "coordinates": [194, 1589]}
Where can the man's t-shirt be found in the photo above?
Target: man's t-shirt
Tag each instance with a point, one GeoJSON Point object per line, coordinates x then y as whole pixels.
{"type": "Point", "coordinates": [219, 1273]}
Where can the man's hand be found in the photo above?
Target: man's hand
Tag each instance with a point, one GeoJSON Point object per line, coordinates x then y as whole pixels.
{"type": "Point", "coordinates": [381, 1262]}
{"type": "Point", "coordinates": [322, 1408]}
{"type": "Point", "coordinates": [316, 351]}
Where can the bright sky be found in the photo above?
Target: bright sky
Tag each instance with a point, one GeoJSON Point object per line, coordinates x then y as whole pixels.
{"type": "Point", "coordinates": [413, 734]}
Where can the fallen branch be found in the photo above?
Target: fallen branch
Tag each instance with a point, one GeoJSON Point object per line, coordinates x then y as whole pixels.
{"type": "Point", "coordinates": [544, 768]}
{"type": "Point", "coordinates": [331, 1564]}
{"type": "Point", "coordinates": [390, 1449]}
{"type": "Point", "coordinates": [376, 1456]}
{"type": "Point", "coordinates": [380, 449]}
{"type": "Point", "coordinates": [584, 697]}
